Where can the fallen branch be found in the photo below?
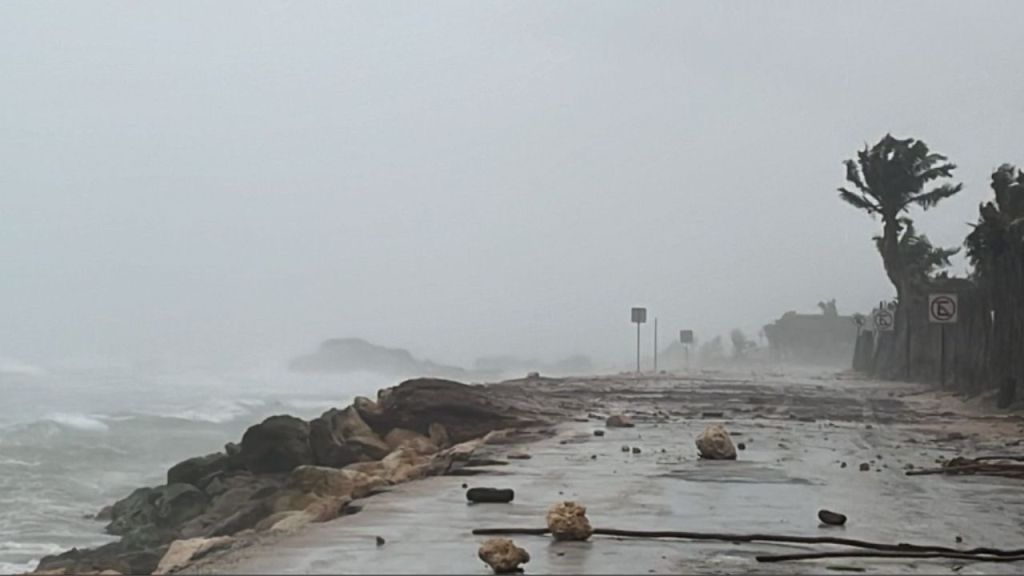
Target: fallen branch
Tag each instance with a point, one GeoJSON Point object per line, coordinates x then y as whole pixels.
{"type": "Point", "coordinates": [880, 546]}
{"type": "Point", "coordinates": [1010, 470]}
{"type": "Point", "coordinates": [883, 554]}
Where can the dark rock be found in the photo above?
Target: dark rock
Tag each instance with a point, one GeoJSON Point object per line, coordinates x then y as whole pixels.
{"type": "Point", "coordinates": [636, 449]}
{"type": "Point", "coordinates": [278, 444]}
{"type": "Point", "coordinates": [466, 412]}
{"type": "Point", "coordinates": [328, 448]}
{"type": "Point", "coordinates": [831, 518]}
{"type": "Point", "coordinates": [712, 414]}
{"type": "Point", "coordinates": [519, 456]}
{"type": "Point", "coordinates": [598, 432]}
{"type": "Point", "coordinates": [179, 503]}
{"type": "Point", "coordinates": [105, 514]}
{"type": "Point", "coordinates": [959, 539]}
{"type": "Point", "coordinates": [741, 446]}
{"type": "Point", "coordinates": [192, 470]}
{"type": "Point", "coordinates": [380, 541]}
{"type": "Point", "coordinates": [490, 495]}
{"type": "Point", "coordinates": [864, 467]}
{"type": "Point", "coordinates": [625, 448]}
{"type": "Point", "coordinates": [842, 465]}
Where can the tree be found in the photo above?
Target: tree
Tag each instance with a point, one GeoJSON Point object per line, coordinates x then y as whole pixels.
{"type": "Point", "coordinates": [995, 248]}
{"type": "Point", "coordinates": [890, 177]}
{"type": "Point", "coordinates": [740, 343]}
{"type": "Point", "coordinates": [920, 259]}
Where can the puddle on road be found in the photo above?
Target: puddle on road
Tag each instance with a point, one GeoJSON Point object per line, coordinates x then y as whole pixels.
{"type": "Point", "coordinates": [745, 475]}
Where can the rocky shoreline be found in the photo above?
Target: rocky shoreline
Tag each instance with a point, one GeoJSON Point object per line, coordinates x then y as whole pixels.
{"type": "Point", "coordinates": [287, 472]}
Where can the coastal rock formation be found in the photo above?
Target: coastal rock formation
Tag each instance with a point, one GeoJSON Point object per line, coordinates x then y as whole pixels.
{"type": "Point", "coordinates": [714, 443]}
{"type": "Point", "coordinates": [278, 444]}
{"type": "Point", "coordinates": [340, 437]}
{"type": "Point", "coordinates": [466, 412]}
{"type": "Point", "coordinates": [286, 473]}
{"type": "Point", "coordinates": [193, 470]}
{"type": "Point", "coordinates": [503, 556]}
{"type": "Point", "coordinates": [418, 443]}
{"type": "Point", "coordinates": [324, 481]}
{"type": "Point", "coordinates": [568, 521]}
{"type": "Point", "coordinates": [181, 552]}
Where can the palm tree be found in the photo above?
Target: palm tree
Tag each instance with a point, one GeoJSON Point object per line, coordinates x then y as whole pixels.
{"type": "Point", "coordinates": [995, 248]}
{"type": "Point", "coordinates": [888, 179]}
{"type": "Point", "coordinates": [920, 259]}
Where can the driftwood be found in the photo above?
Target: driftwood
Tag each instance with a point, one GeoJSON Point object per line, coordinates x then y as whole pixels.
{"type": "Point", "coordinates": [984, 465]}
{"type": "Point", "coordinates": [883, 554]}
{"type": "Point", "coordinates": [902, 548]}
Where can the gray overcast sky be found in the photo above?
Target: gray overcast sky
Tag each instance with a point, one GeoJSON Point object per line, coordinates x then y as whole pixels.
{"type": "Point", "coordinates": [465, 178]}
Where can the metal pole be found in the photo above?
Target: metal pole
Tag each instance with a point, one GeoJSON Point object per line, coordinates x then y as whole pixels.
{"type": "Point", "coordinates": [655, 344]}
{"type": "Point", "coordinates": [942, 355]}
{"type": "Point", "coordinates": [637, 347]}
{"type": "Point", "coordinates": [907, 312]}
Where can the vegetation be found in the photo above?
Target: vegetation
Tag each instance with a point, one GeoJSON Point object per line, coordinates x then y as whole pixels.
{"type": "Point", "coordinates": [886, 180]}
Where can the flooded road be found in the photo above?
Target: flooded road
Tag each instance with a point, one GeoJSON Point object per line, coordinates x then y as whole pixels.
{"type": "Point", "coordinates": [798, 433]}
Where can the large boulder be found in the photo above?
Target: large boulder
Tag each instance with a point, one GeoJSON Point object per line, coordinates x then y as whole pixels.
{"type": "Point", "coordinates": [418, 443]}
{"type": "Point", "coordinates": [341, 437]}
{"type": "Point", "coordinates": [278, 444]}
{"type": "Point", "coordinates": [112, 557]}
{"type": "Point", "coordinates": [568, 521]}
{"type": "Point", "coordinates": [329, 449]}
{"type": "Point", "coordinates": [244, 501]}
{"type": "Point", "coordinates": [714, 443]}
{"type": "Point", "coordinates": [181, 552]}
{"type": "Point", "coordinates": [163, 507]}
{"type": "Point", "coordinates": [193, 470]}
{"type": "Point", "coordinates": [465, 412]}
{"type": "Point", "coordinates": [334, 483]}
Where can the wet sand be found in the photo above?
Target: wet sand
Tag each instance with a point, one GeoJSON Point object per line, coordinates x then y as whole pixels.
{"type": "Point", "coordinates": [798, 429]}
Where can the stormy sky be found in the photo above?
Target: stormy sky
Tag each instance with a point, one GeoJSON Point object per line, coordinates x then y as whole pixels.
{"type": "Point", "coordinates": [243, 179]}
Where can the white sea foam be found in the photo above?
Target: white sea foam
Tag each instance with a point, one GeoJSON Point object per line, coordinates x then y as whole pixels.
{"type": "Point", "coordinates": [78, 421]}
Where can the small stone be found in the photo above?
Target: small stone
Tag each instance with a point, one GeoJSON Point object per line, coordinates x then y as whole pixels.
{"type": "Point", "coordinates": [519, 456]}
{"type": "Point", "coordinates": [831, 518]}
{"type": "Point", "coordinates": [864, 467]}
{"type": "Point", "coordinates": [464, 485]}
{"type": "Point", "coordinates": [959, 539]}
{"type": "Point", "coordinates": [598, 432]}
{"type": "Point", "coordinates": [593, 456]}
{"type": "Point", "coordinates": [741, 446]}
{"type": "Point", "coordinates": [380, 541]}
{"type": "Point", "coordinates": [868, 427]}
{"type": "Point", "coordinates": [636, 449]}
{"type": "Point", "coordinates": [625, 448]}
{"type": "Point", "coordinates": [909, 466]}
{"type": "Point", "coordinates": [619, 421]}
{"type": "Point", "coordinates": [842, 465]}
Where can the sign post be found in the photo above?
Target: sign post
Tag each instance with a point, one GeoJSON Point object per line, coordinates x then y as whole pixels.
{"type": "Point", "coordinates": [686, 339]}
{"type": "Point", "coordinates": [943, 309]}
{"type": "Point", "coordinates": [884, 319]}
{"type": "Point", "coordinates": [639, 316]}
{"type": "Point", "coordinates": [655, 344]}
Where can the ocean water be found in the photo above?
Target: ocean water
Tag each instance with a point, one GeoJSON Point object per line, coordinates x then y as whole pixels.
{"type": "Point", "coordinates": [75, 440]}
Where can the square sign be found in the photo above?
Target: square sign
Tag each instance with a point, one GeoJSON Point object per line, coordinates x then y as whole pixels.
{"type": "Point", "coordinates": [639, 315]}
{"type": "Point", "coordinates": [686, 336]}
{"type": "Point", "coordinates": [884, 320]}
{"type": "Point", "coordinates": [943, 308]}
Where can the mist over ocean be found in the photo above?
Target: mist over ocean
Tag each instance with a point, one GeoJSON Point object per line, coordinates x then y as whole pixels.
{"type": "Point", "coordinates": [75, 439]}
